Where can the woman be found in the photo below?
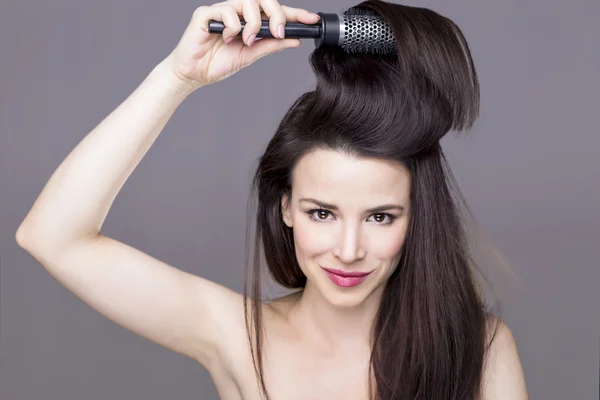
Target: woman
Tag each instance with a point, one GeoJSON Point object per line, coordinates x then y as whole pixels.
{"type": "Point", "coordinates": [354, 182]}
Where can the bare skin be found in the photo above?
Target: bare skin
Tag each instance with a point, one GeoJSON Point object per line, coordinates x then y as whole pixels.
{"type": "Point", "coordinates": [299, 369]}
{"type": "Point", "coordinates": [175, 309]}
{"type": "Point", "coordinates": [294, 361]}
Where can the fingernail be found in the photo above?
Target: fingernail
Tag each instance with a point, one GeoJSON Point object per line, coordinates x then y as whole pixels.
{"type": "Point", "coordinates": [229, 40]}
{"type": "Point", "coordinates": [281, 31]}
{"type": "Point", "coordinates": [251, 40]}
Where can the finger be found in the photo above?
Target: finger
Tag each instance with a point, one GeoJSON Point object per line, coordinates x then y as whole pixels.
{"type": "Point", "coordinates": [223, 12]}
{"type": "Point", "coordinates": [276, 17]}
{"type": "Point", "coordinates": [232, 22]}
{"type": "Point", "coordinates": [300, 15]}
{"type": "Point", "coordinates": [251, 13]}
{"type": "Point", "coordinates": [291, 14]}
{"type": "Point", "coordinates": [234, 29]}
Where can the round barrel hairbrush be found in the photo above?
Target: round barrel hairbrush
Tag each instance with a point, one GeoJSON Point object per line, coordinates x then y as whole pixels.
{"type": "Point", "coordinates": [357, 30]}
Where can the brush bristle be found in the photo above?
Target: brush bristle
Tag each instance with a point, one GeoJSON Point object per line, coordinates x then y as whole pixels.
{"type": "Point", "coordinates": [367, 33]}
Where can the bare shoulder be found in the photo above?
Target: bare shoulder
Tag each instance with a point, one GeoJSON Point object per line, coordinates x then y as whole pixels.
{"type": "Point", "coordinates": [503, 376]}
{"type": "Point", "coordinates": [233, 351]}
{"type": "Point", "coordinates": [234, 346]}
{"type": "Point", "coordinates": [231, 367]}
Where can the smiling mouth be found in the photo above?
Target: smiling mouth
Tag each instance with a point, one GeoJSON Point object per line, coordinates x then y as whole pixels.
{"type": "Point", "coordinates": [345, 274]}
{"type": "Point", "coordinates": [348, 279]}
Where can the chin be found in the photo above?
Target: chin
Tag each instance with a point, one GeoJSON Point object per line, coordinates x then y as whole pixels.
{"type": "Point", "coordinates": [345, 301]}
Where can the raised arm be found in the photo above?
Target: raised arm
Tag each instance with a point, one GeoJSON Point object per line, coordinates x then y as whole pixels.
{"type": "Point", "coordinates": [62, 232]}
{"type": "Point", "coordinates": [178, 310]}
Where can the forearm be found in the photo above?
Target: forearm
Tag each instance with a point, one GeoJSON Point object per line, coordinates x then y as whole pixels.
{"type": "Point", "coordinates": [79, 194]}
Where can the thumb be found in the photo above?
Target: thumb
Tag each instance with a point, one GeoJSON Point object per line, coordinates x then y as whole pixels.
{"type": "Point", "coordinates": [266, 46]}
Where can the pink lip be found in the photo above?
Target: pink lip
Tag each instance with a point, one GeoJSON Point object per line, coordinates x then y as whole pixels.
{"type": "Point", "coordinates": [346, 274]}
{"type": "Point", "coordinates": [345, 279]}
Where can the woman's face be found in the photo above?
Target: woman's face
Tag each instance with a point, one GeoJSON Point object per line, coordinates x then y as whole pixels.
{"type": "Point", "coordinates": [344, 235]}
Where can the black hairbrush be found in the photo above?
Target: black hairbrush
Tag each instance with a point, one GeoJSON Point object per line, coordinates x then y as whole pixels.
{"type": "Point", "coordinates": [357, 30]}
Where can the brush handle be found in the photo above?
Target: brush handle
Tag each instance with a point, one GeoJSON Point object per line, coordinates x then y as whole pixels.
{"type": "Point", "coordinates": [293, 30]}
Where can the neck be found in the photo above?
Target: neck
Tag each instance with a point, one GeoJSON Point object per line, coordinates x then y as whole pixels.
{"type": "Point", "coordinates": [334, 327]}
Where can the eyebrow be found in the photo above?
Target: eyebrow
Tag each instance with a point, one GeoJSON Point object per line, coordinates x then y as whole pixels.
{"type": "Point", "coordinates": [383, 207]}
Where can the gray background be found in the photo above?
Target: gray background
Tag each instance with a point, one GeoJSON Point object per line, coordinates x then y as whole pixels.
{"type": "Point", "coordinates": [529, 172]}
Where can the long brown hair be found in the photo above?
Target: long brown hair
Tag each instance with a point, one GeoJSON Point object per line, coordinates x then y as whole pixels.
{"type": "Point", "coordinates": [429, 335]}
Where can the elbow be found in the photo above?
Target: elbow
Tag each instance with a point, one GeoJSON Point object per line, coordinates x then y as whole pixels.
{"type": "Point", "coordinates": [22, 236]}
{"type": "Point", "coordinates": [35, 239]}
{"type": "Point", "coordinates": [40, 249]}
{"type": "Point", "coordinates": [29, 238]}
{"type": "Point", "coordinates": [38, 239]}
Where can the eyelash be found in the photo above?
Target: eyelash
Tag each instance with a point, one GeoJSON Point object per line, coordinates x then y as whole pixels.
{"type": "Point", "coordinates": [311, 212]}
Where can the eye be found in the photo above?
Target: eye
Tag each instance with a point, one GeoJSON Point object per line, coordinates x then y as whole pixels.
{"type": "Point", "coordinates": [323, 212]}
{"type": "Point", "coordinates": [390, 217]}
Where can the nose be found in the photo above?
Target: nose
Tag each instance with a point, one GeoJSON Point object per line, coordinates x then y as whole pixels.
{"type": "Point", "coordinates": [348, 248]}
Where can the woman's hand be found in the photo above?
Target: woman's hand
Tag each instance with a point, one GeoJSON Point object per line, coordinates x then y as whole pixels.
{"type": "Point", "coordinates": [201, 58]}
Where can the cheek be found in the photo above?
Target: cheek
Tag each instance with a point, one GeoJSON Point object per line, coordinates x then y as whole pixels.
{"type": "Point", "coordinates": [308, 245]}
{"type": "Point", "coordinates": [309, 240]}
{"type": "Point", "coordinates": [389, 246]}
